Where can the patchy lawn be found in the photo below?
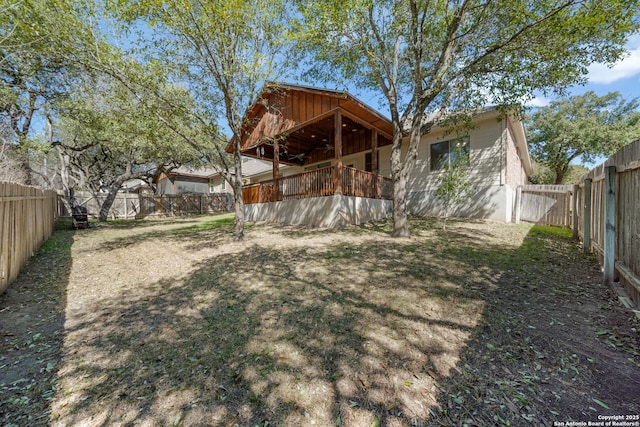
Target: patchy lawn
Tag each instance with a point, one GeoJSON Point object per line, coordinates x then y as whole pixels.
{"type": "Point", "coordinates": [170, 322]}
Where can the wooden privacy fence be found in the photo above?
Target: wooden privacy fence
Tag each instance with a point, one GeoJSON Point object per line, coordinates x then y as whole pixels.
{"type": "Point", "coordinates": [608, 217]}
{"type": "Point", "coordinates": [132, 205]}
{"type": "Point", "coordinates": [27, 217]}
{"type": "Point", "coordinates": [182, 204]}
{"type": "Point", "coordinates": [545, 204]}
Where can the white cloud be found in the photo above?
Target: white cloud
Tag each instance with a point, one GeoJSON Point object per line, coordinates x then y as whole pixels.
{"type": "Point", "coordinates": [629, 66]}
{"type": "Point", "coordinates": [538, 101]}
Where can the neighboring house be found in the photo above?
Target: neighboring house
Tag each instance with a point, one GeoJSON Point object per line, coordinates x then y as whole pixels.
{"type": "Point", "coordinates": [135, 186]}
{"type": "Point", "coordinates": [186, 180]}
{"type": "Point", "coordinates": [337, 152]}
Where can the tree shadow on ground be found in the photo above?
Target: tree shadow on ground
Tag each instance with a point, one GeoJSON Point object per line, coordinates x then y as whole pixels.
{"type": "Point", "coordinates": [201, 232]}
{"type": "Point", "coordinates": [554, 343]}
{"type": "Point", "coordinates": [32, 317]}
{"type": "Point", "coordinates": [464, 326]}
{"type": "Point", "coordinates": [345, 333]}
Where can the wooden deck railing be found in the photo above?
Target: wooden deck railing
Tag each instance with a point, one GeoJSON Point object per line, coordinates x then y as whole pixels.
{"type": "Point", "coordinates": [360, 183]}
{"type": "Point", "coordinates": [318, 183]}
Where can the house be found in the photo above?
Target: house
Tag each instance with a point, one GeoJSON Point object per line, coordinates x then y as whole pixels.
{"type": "Point", "coordinates": [337, 151]}
{"type": "Point", "coordinates": [187, 180]}
{"type": "Point", "coordinates": [139, 186]}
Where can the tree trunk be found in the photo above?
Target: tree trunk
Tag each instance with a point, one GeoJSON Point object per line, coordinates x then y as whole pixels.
{"type": "Point", "coordinates": [560, 172]}
{"type": "Point", "coordinates": [238, 205]}
{"type": "Point", "coordinates": [63, 196]}
{"type": "Point", "coordinates": [113, 192]}
{"type": "Point", "coordinates": [400, 169]}
{"type": "Point", "coordinates": [237, 192]}
{"type": "Point", "coordinates": [108, 203]}
{"type": "Point", "coordinates": [25, 166]}
{"type": "Point", "coordinates": [400, 218]}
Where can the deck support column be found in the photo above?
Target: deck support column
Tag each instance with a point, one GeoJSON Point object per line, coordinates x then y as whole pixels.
{"type": "Point", "coordinates": [337, 171]}
{"type": "Point", "coordinates": [275, 196]}
{"type": "Point", "coordinates": [374, 163]}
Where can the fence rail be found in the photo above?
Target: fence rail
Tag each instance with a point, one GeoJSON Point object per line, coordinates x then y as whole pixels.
{"type": "Point", "coordinates": [608, 212]}
{"type": "Point", "coordinates": [27, 217]}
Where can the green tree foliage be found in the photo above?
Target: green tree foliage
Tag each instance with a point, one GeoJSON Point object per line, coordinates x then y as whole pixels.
{"type": "Point", "coordinates": [454, 186]}
{"type": "Point", "coordinates": [35, 38]}
{"type": "Point", "coordinates": [429, 58]}
{"type": "Point", "coordinates": [59, 71]}
{"type": "Point", "coordinates": [542, 174]}
{"type": "Point", "coordinates": [109, 137]}
{"type": "Point", "coordinates": [10, 170]}
{"type": "Point", "coordinates": [223, 52]}
{"type": "Point", "coordinates": [46, 47]}
{"type": "Point", "coordinates": [581, 127]}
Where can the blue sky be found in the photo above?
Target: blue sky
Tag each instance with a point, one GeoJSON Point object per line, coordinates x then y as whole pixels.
{"type": "Point", "coordinates": [623, 77]}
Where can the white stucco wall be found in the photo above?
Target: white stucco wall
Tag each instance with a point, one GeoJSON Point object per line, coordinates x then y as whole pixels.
{"type": "Point", "coordinates": [493, 199]}
{"type": "Point", "coordinates": [326, 212]}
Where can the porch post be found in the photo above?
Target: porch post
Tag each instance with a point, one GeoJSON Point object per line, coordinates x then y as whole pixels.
{"type": "Point", "coordinates": [337, 171]}
{"type": "Point", "coordinates": [275, 196]}
{"type": "Point", "coordinates": [374, 162]}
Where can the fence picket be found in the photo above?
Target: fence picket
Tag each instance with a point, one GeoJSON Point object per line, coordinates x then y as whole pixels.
{"type": "Point", "coordinates": [27, 216]}
{"type": "Point", "coordinates": [626, 256]}
{"type": "Point", "coordinates": [545, 204]}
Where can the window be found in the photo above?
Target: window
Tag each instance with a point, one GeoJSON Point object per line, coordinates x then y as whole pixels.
{"type": "Point", "coordinates": [214, 183]}
{"type": "Point", "coordinates": [447, 153]}
{"type": "Point", "coordinates": [368, 166]}
{"type": "Point", "coordinates": [318, 166]}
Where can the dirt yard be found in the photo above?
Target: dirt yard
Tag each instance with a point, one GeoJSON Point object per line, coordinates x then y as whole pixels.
{"type": "Point", "coordinates": [171, 322]}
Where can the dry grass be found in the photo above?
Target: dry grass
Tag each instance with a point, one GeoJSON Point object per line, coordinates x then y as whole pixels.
{"type": "Point", "coordinates": [173, 323]}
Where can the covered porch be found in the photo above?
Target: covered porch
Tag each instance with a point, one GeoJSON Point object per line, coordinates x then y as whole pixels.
{"type": "Point", "coordinates": [312, 130]}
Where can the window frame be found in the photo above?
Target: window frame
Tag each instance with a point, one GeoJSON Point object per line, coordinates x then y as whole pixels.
{"type": "Point", "coordinates": [449, 154]}
{"type": "Point", "coordinates": [368, 162]}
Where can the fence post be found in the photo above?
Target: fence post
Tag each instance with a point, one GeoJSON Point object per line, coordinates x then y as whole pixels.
{"type": "Point", "coordinates": [610, 225]}
{"type": "Point", "coordinates": [574, 206]}
{"type": "Point", "coordinates": [586, 241]}
{"type": "Point", "coordinates": [518, 203]}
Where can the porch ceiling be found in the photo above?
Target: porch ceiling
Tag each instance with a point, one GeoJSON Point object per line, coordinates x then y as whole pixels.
{"type": "Point", "coordinates": [302, 121]}
{"type": "Point", "coordinates": [312, 142]}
